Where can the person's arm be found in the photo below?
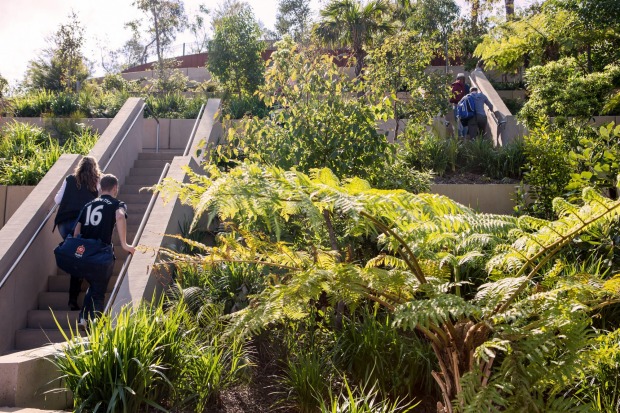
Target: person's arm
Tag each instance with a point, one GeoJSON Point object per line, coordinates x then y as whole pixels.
{"type": "Point", "coordinates": [121, 227]}
{"type": "Point", "coordinates": [60, 193]}
{"type": "Point", "coordinates": [77, 229]}
{"type": "Point", "coordinates": [488, 102]}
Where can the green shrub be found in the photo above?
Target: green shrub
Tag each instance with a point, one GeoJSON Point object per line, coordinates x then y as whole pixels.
{"type": "Point", "coordinates": [27, 152]}
{"type": "Point", "coordinates": [34, 104]}
{"type": "Point", "coordinates": [64, 104]}
{"type": "Point", "coordinates": [244, 105]}
{"type": "Point", "coordinates": [561, 88]}
{"type": "Point", "coordinates": [595, 161]}
{"type": "Point", "coordinates": [547, 170]}
{"type": "Point", "coordinates": [174, 105]}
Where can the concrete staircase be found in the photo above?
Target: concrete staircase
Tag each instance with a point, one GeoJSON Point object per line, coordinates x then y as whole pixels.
{"type": "Point", "coordinates": [41, 328]}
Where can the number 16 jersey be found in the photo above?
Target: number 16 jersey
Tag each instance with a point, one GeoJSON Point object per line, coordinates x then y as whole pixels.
{"type": "Point", "coordinates": [98, 218]}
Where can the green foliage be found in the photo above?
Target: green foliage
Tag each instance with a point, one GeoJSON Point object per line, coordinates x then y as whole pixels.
{"type": "Point", "coordinates": [353, 23]}
{"type": "Point", "coordinates": [320, 121]}
{"type": "Point", "coordinates": [308, 370]}
{"type": "Point", "coordinates": [124, 365]}
{"type": "Point", "coordinates": [63, 64]}
{"type": "Point", "coordinates": [293, 18]}
{"type": "Point", "coordinates": [556, 29]}
{"type": "Point", "coordinates": [423, 150]}
{"type": "Point", "coordinates": [94, 102]}
{"type": "Point", "coordinates": [164, 19]}
{"type": "Point", "coordinates": [150, 357]}
{"type": "Point", "coordinates": [612, 107]}
{"type": "Point", "coordinates": [562, 89]}
{"type": "Point", "coordinates": [378, 355]}
{"type": "Point", "coordinates": [547, 170]}
{"type": "Point", "coordinates": [175, 105]}
{"type": "Point", "coordinates": [394, 66]}
{"type": "Point", "coordinates": [518, 337]}
{"type": "Point", "coordinates": [362, 400]}
{"type": "Point", "coordinates": [4, 86]}
{"type": "Point", "coordinates": [595, 161]}
{"type": "Point", "coordinates": [235, 53]}
{"type": "Point", "coordinates": [236, 107]}
{"type": "Point", "coordinates": [27, 152]}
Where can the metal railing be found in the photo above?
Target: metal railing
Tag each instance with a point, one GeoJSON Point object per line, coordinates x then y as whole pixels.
{"type": "Point", "coordinates": [34, 236]}
{"type": "Point", "coordinates": [136, 239]}
{"type": "Point", "coordinates": [55, 207]}
{"type": "Point", "coordinates": [194, 129]}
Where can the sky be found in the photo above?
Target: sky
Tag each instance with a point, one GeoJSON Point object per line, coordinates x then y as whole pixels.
{"type": "Point", "coordinates": [25, 26]}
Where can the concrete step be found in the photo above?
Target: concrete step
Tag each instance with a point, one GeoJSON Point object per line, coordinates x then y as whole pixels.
{"type": "Point", "coordinates": [129, 189]}
{"type": "Point", "coordinates": [60, 283]}
{"type": "Point", "coordinates": [141, 198]}
{"type": "Point", "coordinates": [144, 180]}
{"type": "Point", "coordinates": [136, 209]}
{"type": "Point", "coordinates": [161, 156]}
{"type": "Point", "coordinates": [149, 163]}
{"type": "Point", "coordinates": [58, 300]}
{"type": "Point", "coordinates": [35, 337]}
{"type": "Point", "coordinates": [146, 171]}
{"type": "Point", "coordinates": [134, 219]}
{"type": "Point", "coordinates": [45, 318]}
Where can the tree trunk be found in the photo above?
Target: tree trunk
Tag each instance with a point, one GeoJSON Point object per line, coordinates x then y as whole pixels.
{"type": "Point", "coordinates": [510, 9]}
{"type": "Point", "coordinates": [475, 12]}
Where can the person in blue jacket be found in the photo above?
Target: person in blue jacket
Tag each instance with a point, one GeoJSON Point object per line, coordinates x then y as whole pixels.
{"type": "Point", "coordinates": [478, 123]}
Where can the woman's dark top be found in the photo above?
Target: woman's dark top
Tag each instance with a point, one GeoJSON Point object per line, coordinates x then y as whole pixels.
{"type": "Point", "coordinates": [73, 200]}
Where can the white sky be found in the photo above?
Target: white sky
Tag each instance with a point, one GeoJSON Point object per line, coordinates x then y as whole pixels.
{"type": "Point", "coordinates": [26, 24]}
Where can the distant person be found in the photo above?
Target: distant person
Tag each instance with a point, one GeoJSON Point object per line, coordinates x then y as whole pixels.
{"type": "Point", "coordinates": [459, 90]}
{"type": "Point", "coordinates": [76, 191]}
{"type": "Point", "coordinates": [97, 221]}
{"type": "Point", "coordinates": [479, 121]}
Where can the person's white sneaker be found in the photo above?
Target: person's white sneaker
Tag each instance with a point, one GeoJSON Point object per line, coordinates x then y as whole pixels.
{"type": "Point", "coordinates": [82, 324]}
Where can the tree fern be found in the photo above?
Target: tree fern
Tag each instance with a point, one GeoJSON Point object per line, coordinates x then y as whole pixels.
{"type": "Point", "coordinates": [517, 341]}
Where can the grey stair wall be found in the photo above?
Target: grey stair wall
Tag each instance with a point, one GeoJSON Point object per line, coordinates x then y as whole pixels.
{"type": "Point", "coordinates": [41, 328]}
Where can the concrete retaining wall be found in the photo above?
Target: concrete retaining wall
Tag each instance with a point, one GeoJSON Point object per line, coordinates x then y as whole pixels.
{"type": "Point", "coordinates": [11, 198]}
{"type": "Point", "coordinates": [487, 198]}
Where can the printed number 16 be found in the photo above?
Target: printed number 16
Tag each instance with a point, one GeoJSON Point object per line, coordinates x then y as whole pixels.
{"type": "Point", "coordinates": [95, 216]}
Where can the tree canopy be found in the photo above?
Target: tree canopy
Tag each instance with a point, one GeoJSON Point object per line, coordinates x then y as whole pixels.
{"type": "Point", "coordinates": [351, 23]}
{"type": "Point", "coordinates": [235, 57]}
{"type": "Point", "coordinates": [62, 65]}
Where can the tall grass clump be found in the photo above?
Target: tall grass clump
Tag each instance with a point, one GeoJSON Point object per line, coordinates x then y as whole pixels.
{"type": "Point", "coordinates": [378, 355]}
{"type": "Point", "coordinates": [27, 152]}
{"type": "Point", "coordinates": [125, 364]}
{"type": "Point", "coordinates": [362, 400]}
{"type": "Point", "coordinates": [307, 369]}
{"type": "Point", "coordinates": [154, 357]}
{"type": "Point", "coordinates": [175, 105]}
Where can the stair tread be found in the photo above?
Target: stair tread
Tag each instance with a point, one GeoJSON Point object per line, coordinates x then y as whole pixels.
{"type": "Point", "coordinates": [36, 337]}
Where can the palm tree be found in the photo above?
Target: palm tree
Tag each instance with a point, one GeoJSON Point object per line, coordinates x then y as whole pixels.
{"type": "Point", "coordinates": [351, 23]}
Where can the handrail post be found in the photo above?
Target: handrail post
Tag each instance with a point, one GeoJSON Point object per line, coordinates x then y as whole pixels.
{"type": "Point", "coordinates": [157, 144]}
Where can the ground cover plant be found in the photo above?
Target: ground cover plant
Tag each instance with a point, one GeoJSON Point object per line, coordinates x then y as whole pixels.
{"type": "Point", "coordinates": [27, 152]}
{"type": "Point", "coordinates": [507, 311]}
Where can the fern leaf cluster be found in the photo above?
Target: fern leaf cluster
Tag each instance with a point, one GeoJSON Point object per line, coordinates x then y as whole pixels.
{"type": "Point", "coordinates": [513, 340]}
